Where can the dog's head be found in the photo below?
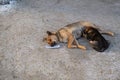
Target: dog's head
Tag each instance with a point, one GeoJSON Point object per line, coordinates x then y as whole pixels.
{"type": "Point", "coordinates": [89, 33]}
{"type": "Point", "coordinates": [51, 38]}
{"type": "Point", "coordinates": [97, 41]}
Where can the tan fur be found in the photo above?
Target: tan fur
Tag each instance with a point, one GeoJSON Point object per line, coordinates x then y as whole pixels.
{"type": "Point", "coordinates": [65, 34]}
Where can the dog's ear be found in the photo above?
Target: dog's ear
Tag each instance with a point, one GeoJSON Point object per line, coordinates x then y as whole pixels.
{"type": "Point", "coordinates": [44, 39]}
{"type": "Point", "coordinates": [49, 33]}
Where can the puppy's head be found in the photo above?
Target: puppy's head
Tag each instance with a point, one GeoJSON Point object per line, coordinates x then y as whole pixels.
{"type": "Point", "coordinates": [51, 38]}
{"type": "Point", "coordinates": [89, 33]}
{"type": "Point", "coordinates": [96, 40]}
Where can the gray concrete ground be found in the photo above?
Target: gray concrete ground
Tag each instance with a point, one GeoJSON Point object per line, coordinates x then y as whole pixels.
{"type": "Point", "coordinates": [23, 55]}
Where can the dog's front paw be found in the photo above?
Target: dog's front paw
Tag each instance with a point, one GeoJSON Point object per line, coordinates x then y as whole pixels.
{"type": "Point", "coordinates": [82, 47]}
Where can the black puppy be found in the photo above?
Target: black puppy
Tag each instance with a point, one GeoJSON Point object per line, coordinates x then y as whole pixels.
{"type": "Point", "coordinates": [98, 42]}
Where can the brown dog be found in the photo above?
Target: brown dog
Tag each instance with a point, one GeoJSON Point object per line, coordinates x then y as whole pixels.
{"type": "Point", "coordinates": [70, 33]}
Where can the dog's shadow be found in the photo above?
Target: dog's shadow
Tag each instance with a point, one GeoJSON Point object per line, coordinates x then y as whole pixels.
{"type": "Point", "coordinates": [84, 42]}
{"type": "Point", "coordinates": [114, 42]}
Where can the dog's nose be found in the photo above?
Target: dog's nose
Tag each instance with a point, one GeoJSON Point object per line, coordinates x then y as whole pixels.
{"type": "Point", "coordinates": [53, 44]}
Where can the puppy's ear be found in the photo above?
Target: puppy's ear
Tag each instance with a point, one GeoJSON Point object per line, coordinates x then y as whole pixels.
{"type": "Point", "coordinates": [44, 39]}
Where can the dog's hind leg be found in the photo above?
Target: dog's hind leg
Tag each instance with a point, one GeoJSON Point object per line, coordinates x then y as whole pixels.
{"type": "Point", "coordinates": [104, 31]}
{"type": "Point", "coordinates": [107, 32]}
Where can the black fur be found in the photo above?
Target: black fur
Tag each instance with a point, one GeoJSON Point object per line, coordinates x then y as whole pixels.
{"type": "Point", "coordinates": [100, 44]}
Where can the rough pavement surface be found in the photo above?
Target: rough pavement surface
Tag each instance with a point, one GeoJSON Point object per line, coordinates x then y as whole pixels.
{"type": "Point", "coordinates": [23, 55]}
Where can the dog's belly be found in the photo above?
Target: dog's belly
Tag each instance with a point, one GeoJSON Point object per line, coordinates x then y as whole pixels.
{"type": "Point", "coordinates": [78, 32]}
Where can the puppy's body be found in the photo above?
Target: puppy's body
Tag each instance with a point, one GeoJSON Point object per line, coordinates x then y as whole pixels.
{"type": "Point", "coordinates": [70, 33]}
{"type": "Point", "coordinates": [98, 42]}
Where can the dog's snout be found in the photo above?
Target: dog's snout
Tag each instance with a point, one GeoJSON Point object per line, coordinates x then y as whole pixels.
{"type": "Point", "coordinates": [53, 44]}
